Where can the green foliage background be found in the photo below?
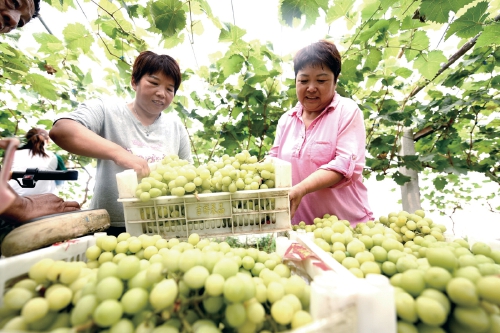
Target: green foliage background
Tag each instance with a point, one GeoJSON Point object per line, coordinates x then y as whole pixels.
{"type": "Point", "coordinates": [449, 98]}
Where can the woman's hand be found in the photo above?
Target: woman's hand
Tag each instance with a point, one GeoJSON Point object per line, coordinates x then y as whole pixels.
{"type": "Point", "coordinates": [296, 193]}
{"type": "Point", "coordinates": [130, 161]}
{"type": "Point", "coordinates": [27, 208]}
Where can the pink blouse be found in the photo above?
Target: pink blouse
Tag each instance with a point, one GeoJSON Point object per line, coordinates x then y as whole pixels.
{"type": "Point", "coordinates": [335, 140]}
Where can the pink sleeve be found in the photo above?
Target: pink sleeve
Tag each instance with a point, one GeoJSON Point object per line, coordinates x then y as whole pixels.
{"type": "Point", "coordinates": [273, 152]}
{"type": "Point", "coordinates": [350, 148]}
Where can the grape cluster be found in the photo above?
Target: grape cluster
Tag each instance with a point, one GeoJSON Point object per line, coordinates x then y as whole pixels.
{"type": "Point", "coordinates": [150, 284]}
{"type": "Point", "coordinates": [441, 286]}
{"type": "Point", "coordinates": [174, 176]}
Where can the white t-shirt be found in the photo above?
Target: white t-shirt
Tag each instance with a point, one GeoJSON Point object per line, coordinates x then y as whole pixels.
{"type": "Point", "coordinates": [23, 160]}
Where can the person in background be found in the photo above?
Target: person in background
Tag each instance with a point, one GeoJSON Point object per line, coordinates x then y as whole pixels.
{"type": "Point", "coordinates": [16, 13]}
{"type": "Point", "coordinates": [323, 137]}
{"type": "Point", "coordinates": [127, 135]}
{"type": "Point", "coordinates": [15, 209]}
{"type": "Point", "coordinates": [34, 155]}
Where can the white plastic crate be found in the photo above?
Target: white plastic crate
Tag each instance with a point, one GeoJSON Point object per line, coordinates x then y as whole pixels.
{"type": "Point", "coordinates": [12, 268]}
{"type": "Point", "coordinates": [208, 214]}
{"type": "Point", "coordinates": [341, 300]}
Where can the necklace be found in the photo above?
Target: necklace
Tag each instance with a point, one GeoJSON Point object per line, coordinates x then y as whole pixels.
{"type": "Point", "coordinates": [147, 130]}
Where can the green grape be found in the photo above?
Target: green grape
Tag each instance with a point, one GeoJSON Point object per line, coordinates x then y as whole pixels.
{"type": "Point", "coordinates": [145, 186]}
{"type": "Point", "coordinates": [163, 294]}
{"type": "Point", "coordinates": [150, 251]}
{"type": "Point", "coordinates": [35, 309]}
{"type": "Point", "coordinates": [226, 267]}
{"type": "Point", "coordinates": [180, 181]}
{"type": "Point", "coordinates": [154, 273]}
{"type": "Point", "coordinates": [107, 313]}
{"type": "Point", "coordinates": [93, 252]}
{"type": "Point", "coordinates": [110, 287]}
{"type": "Point", "coordinates": [171, 262]}
{"type": "Point", "coordinates": [43, 323]}
{"type": "Point", "coordinates": [214, 284]}
{"type": "Point", "coordinates": [213, 305]}
{"type": "Point", "coordinates": [196, 276]}
{"type": "Point", "coordinates": [255, 311]}
{"type": "Point", "coordinates": [55, 269]}
{"type": "Point", "coordinates": [301, 318]}
{"type": "Point", "coordinates": [275, 291]}
{"type": "Point", "coordinates": [59, 298]}
{"type": "Point", "coordinates": [189, 187]}
{"type": "Point", "coordinates": [234, 290]}
{"type": "Point", "coordinates": [106, 269]}
{"type": "Point", "coordinates": [235, 314]}
{"type": "Point", "coordinates": [16, 324]}
{"type": "Point", "coordinates": [134, 300]}
{"type": "Point", "coordinates": [295, 285]}
{"type": "Point", "coordinates": [197, 181]}
{"type": "Point", "coordinates": [121, 247]}
{"type": "Point", "coordinates": [139, 281]}
{"type": "Point", "coordinates": [189, 259]}
{"type": "Point", "coordinates": [135, 245]}
{"type": "Point", "coordinates": [124, 325]}
{"type": "Point", "coordinates": [128, 267]}
{"type": "Point", "coordinates": [61, 321]}
{"type": "Point", "coordinates": [108, 243]}
{"type": "Point", "coordinates": [123, 236]}
{"type": "Point", "coordinates": [155, 192]}
{"type": "Point", "coordinates": [70, 273]}
{"type": "Point", "coordinates": [294, 301]}
{"type": "Point", "coordinates": [226, 181]}
{"type": "Point", "coordinates": [15, 298]}
{"type": "Point", "coordinates": [145, 196]}
{"type": "Point", "coordinates": [178, 191]}
{"type": "Point", "coordinates": [27, 284]}
{"type": "Point", "coordinates": [232, 188]}
{"type": "Point", "coordinates": [282, 312]}
{"type": "Point", "coordinates": [261, 293]}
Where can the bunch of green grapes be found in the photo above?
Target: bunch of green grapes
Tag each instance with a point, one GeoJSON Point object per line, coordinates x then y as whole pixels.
{"type": "Point", "coordinates": [151, 284]}
{"type": "Point", "coordinates": [440, 286]}
{"type": "Point", "coordinates": [174, 176]}
{"type": "Point", "coordinates": [408, 226]}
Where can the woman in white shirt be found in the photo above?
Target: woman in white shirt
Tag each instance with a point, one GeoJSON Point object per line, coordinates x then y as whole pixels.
{"type": "Point", "coordinates": [34, 155]}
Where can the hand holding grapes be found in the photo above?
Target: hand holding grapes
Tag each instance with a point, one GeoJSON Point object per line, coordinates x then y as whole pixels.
{"type": "Point", "coordinates": [130, 161]}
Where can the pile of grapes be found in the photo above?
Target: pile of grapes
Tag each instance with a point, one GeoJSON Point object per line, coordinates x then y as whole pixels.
{"type": "Point", "coordinates": [174, 176]}
{"type": "Point", "coordinates": [150, 284]}
{"type": "Point", "coordinates": [440, 286]}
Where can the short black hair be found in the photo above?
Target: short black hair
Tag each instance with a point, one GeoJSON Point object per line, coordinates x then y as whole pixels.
{"type": "Point", "coordinates": [37, 8]}
{"type": "Point", "coordinates": [321, 53]}
{"type": "Point", "coordinates": [149, 62]}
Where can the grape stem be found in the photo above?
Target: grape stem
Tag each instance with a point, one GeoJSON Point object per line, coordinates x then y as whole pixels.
{"type": "Point", "coordinates": [272, 323]}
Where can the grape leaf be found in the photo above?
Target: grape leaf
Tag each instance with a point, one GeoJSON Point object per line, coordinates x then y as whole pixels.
{"type": "Point", "coordinates": [42, 86]}
{"type": "Point", "coordinates": [440, 183]}
{"type": "Point", "coordinates": [429, 64]}
{"type": "Point", "coordinates": [77, 37]}
{"type": "Point", "coordinates": [469, 24]}
{"type": "Point", "coordinates": [489, 35]}
{"type": "Point", "coordinates": [231, 33]}
{"type": "Point", "coordinates": [439, 10]}
{"type": "Point", "coordinates": [338, 9]}
{"type": "Point", "coordinates": [294, 9]}
{"type": "Point", "coordinates": [400, 178]}
{"type": "Point", "coordinates": [232, 65]}
{"type": "Point", "coordinates": [168, 16]}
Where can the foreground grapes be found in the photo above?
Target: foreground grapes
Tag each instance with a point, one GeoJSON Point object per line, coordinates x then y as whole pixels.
{"type": "Point", "coordinates": [440, 286]}
{"type": "Point", "coordinates": [149, 284]}
{"type": "Point", "coordinates": [177, 177]}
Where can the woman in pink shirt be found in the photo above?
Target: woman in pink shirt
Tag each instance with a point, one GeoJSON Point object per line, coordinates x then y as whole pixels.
{"type": "Point", "coordinates": [323, 137]}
